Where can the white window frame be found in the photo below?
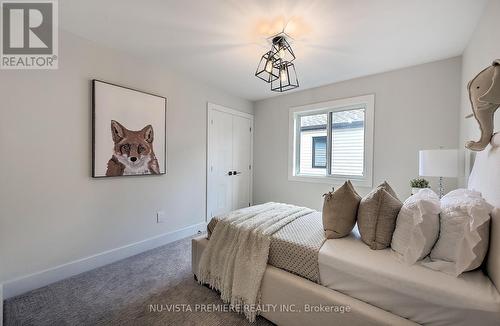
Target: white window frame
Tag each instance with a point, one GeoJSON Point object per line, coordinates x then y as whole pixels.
{"type": "Point", "coordinates": [368, 103]}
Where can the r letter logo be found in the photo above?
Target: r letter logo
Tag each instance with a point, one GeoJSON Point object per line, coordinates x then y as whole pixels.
{"type": "Point", "coordinates": [29, 35]}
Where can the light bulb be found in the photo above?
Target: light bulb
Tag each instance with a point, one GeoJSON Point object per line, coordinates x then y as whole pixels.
{"type": "Point", "coordinates": [269, 66]}
{"type": "Point", "coordinates": [283, 75]}
{"type": "Point", "coordinates": [281, 53]}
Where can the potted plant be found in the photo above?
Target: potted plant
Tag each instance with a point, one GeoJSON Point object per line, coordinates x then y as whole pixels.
{"type": "Point", "coordinates": [417, 184]}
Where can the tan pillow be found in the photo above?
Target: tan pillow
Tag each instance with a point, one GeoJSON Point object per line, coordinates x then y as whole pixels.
{"type": "Point", "coordinates": [377, 216]}
{"type": "Point", "coordinates": [339, 211]}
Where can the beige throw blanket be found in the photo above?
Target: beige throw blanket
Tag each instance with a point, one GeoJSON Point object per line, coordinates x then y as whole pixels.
{"type": "Point", "coordinates": [236, 257]}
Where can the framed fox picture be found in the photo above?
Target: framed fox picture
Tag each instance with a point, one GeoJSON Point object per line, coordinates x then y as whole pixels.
{"type": "Point", "coordinates": [128, 131]}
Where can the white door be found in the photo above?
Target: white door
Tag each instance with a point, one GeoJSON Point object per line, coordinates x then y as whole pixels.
{"type": "Point", "coordinates": [220, 190]}
{"type": "Point", "coordinates": [242, 145]}
{"type": "Point", "coordinates": [229, 160]}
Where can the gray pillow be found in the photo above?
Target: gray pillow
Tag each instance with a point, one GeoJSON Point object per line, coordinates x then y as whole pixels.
{"type": "Point", "coordinates": [377, 216]}
{"type": "Point", "coordinates": [339, 211]}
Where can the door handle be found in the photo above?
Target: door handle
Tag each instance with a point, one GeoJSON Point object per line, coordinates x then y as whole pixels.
{"type": "Point", "coordinates": [235, 173]}
{"type": "Point", "coordinates": [230, 173]}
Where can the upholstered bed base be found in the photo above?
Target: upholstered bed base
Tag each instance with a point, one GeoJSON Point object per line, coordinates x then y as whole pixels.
{"type": "Point", "coordinates": [287, 291]}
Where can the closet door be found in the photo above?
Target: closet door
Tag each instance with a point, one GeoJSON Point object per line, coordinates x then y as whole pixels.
{"type": "Point", "coordinates": [242, 151]}
{"type": "Point", "coordinates": [229, 160]}
{"type": "Point", "coordinates": [220, 182]}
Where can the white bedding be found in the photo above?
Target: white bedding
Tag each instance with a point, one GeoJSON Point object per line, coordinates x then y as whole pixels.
{"type": "Point", "coordinates": [415, 292]}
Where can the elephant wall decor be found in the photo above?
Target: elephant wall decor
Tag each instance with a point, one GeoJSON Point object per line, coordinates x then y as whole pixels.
{"type": "Point", "coordinates": [484, 95]}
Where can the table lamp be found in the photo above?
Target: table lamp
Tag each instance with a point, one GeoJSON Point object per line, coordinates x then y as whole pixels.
{"type": "Point", "coordinates": [439, 163]}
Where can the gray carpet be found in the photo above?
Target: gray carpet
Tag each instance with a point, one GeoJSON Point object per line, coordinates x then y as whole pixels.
{"type": "Point", "coordinates": [121, 294]}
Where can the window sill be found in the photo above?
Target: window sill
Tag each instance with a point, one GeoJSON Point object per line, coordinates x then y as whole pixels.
{"type": "Point", "coordinates": [360, 182]}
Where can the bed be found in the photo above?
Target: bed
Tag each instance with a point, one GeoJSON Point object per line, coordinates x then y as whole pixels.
{"type": "Point", "coordinates": [378, 289]}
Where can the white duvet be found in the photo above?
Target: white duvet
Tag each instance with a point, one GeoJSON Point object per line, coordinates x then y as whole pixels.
{"type": "Point", "coordinates": [420, 294]}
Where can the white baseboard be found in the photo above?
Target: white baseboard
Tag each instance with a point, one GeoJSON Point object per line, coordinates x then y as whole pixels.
{"type": "Point", "coordinates": [36, 280]}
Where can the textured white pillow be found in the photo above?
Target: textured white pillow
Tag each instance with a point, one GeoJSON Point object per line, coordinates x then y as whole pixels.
{"type": "Point", "coordinates": [417, 226]}
{"type": "Point", "coordinates": [465, 228]}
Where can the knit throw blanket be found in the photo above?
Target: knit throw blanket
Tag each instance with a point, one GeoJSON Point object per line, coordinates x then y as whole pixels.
{"type": "Point", "coordinates": [236, 257]}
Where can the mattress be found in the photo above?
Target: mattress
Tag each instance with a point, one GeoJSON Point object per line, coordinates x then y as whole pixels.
{"type": "Point", "coordinates": [425, 296]}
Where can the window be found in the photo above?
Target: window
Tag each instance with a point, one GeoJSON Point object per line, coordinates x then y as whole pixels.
{"type": "Point", "coordinates": [332, 141]}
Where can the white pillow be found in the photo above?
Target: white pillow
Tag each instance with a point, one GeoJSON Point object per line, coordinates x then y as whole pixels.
{"type": "Point", "coordinates": [417, 226]}
{"type": "Point", "coordinates": [465, 228]}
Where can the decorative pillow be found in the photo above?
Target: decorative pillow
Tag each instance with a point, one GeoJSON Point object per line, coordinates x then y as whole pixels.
{"type": "Point", "coordinates": [377, 216]}
{"type": "Point", "coordinates": [464, 236]}
{"type": "Point", "coordinates": [417, 226]}
{"type": "Point", "coordinates": [339, 211]}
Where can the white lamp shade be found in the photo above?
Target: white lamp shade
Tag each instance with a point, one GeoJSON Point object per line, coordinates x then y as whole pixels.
{"type": "Point", "coordinates": [438, 163]}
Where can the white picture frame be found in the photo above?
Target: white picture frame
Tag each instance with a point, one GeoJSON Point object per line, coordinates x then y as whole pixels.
{"type": "Point", "coordinates": [128, 131]}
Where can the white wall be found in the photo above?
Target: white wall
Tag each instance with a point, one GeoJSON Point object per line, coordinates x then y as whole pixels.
{"type": "Point", "coordinates": [482, 49]}
{"type": "Point", "coordinates": [415, 108]}
{"type": "Point", "coordinates": [51, 210]}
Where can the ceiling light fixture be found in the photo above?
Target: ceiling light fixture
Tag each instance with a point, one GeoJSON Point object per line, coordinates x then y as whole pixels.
{"type": "Point", "coordinates": [266, 69]}
{"type": "Point", "coordinates": [276, 65]}
{"type": "Point", "coordinates": [288, 77]}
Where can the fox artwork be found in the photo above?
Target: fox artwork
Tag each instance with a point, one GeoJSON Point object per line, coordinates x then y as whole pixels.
{"type": "Point", "coordinates": [132, 151]}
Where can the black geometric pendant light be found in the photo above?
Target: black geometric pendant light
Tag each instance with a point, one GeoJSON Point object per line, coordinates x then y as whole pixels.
{"type": "Point", "coordinates": [282, 49]}
{"type": "Point", "coordinates": [288, 77]}
{"type": "Point", "coordinates": [267, 70]}
{"type": "Point", "coordinates": [276, 65]}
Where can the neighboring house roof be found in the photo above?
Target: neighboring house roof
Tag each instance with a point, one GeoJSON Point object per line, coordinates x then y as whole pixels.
{"type": "Point", "coordinates": [341, 117]}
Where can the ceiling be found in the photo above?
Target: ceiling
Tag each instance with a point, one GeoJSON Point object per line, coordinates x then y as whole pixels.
{"type": "Point", "coordinates": [220, 42]}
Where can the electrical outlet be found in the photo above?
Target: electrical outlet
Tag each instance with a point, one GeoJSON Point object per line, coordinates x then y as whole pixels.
{"type": "Point", "coordinates": [160, 217]}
